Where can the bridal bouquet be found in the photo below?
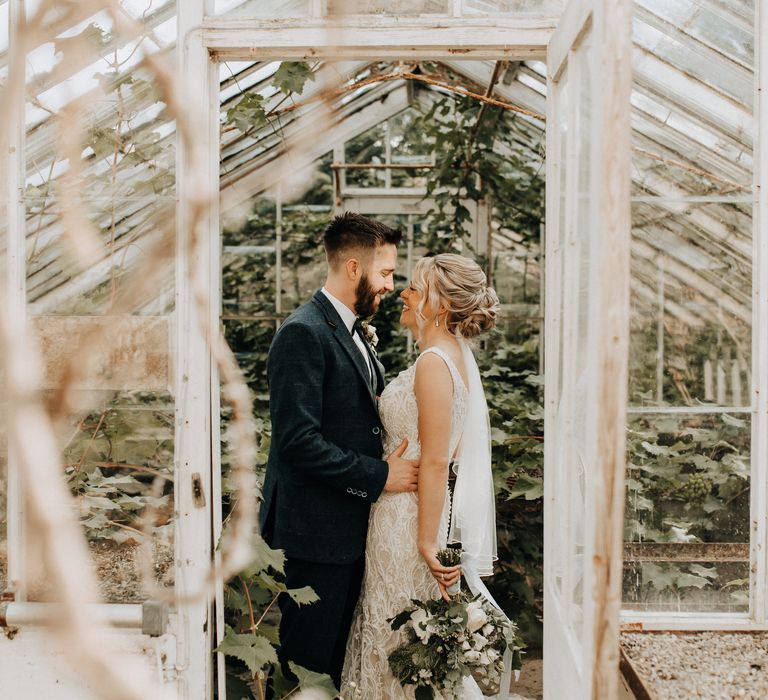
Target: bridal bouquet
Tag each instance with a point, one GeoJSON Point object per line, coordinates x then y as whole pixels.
{"type": "Point", "coordinates": [447, 641]}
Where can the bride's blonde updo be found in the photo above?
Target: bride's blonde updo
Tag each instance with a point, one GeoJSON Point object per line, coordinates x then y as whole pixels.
{"type": "Point", "coordinates": [460, 284]}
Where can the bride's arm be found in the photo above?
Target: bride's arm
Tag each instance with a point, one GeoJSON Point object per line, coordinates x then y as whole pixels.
{"type": "Point", "coordinates": [433, 387]}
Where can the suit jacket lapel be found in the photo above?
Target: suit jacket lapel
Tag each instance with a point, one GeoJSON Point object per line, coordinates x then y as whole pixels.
{"type": "Point", "coordinates": [344, 337]}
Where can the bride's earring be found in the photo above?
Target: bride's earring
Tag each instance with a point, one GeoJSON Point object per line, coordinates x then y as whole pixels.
{"type": "Point", "coordinates": [437, 322]}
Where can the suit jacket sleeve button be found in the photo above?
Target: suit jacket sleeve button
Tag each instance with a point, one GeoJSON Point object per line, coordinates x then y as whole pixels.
{"type": "Point", "coordinates": [349, 489]}
{"type": "Point", "coordinates": [376, 430]}
{"type": "Point", "coordinates": [364, 494]}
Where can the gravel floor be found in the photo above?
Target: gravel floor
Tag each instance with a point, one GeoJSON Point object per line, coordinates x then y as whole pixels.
{"type": "Point", "coordinates": [707, 665]}
{"type": "Point", "coordinates": [117, 571]}
{"type": "Point", "coordinates": [531, 683]}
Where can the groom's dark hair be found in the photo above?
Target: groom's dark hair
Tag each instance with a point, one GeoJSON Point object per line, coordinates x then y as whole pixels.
{"type": "Point", "coordinates": [350, 231]}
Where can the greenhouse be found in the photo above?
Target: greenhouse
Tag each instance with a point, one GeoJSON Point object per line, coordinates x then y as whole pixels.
{"type": "Point", "coordinates": [169, 170]}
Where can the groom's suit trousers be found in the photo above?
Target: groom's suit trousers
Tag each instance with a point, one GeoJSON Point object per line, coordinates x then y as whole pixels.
{"type": "Point", "coordinates": [326, 622]}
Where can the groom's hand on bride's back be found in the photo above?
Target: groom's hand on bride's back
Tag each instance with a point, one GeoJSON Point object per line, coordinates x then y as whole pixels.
{"type": "Point", "coordinates": [403, 473]}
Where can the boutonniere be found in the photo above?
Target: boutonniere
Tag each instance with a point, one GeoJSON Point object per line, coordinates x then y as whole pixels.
{"type": "Point", "coordinates": [369, 332]}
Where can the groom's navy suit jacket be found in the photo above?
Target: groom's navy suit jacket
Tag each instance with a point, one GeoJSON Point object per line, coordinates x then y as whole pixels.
{"type": "Point", "coordinates": [325, 467]}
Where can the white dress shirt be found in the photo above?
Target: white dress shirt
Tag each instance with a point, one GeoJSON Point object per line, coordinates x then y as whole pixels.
{"type": "Point", "coordinates": [349, 318]}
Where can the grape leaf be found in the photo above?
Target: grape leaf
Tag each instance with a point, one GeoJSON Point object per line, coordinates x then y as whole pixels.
{"type": "Point", "coordinates": [291, 76]}
{"type": "Point", "coordinates": [253, 649]}
{"type": "Point", "coordinates": [316, 681]}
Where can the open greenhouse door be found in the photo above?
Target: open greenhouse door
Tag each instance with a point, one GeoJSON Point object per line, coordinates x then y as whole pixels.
{"type": "Point", "coordinates": [587, 329]}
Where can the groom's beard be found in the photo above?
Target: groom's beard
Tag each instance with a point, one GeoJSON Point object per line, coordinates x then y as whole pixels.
{"type": "Point", "coordinates": [365, 298]}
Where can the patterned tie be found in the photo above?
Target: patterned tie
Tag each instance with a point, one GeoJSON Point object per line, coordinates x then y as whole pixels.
{"type": "Point", "coordinates": [358, 328]}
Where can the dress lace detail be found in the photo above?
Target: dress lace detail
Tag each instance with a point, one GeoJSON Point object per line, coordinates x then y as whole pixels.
{"type": "Point", "coordinates": [394, 570]}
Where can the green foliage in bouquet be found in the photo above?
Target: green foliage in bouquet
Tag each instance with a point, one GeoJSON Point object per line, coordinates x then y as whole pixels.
{"type": "Point", "coordinates": [446, 641]}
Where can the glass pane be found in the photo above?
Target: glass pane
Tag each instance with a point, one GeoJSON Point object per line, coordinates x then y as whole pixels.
{"type": "Point", "coordinates": [408, 146]}
{"type": "Point", "coordinates": [691, 57]}
{"type": "Point", "coordinates": [692, 115]}
{"type": "Point", "coordinates": [691, 303]}
{"type": "Point", "coordinates": [517, 279]}
{"type": "Point", "coordinates": [688, 479]}
{"type": "Point", "coordinates": [118, 461]}
{"type": "Point", "coordinates": [124, 192]}
{"type": "Point", "coordinates": [4, 27]}
{"type": "Point", "coordinates": [513, 7]}
{"type": "Point", "coordinates": [100, 285]}
{"type": "Point", "coordinates": [674, 155]}
{"type": "Point", "coordinates": [265, 9]}
{"type": "Point", "coordinates": [714, 25]}
{"type": "Point", "coordinates": [369, 147]}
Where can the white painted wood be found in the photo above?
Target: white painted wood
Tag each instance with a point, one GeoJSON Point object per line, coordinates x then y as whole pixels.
{"type": "Point", "coordinates": [699, 408]}
{"type": "Point", "coordinates": [214, 255]}
{"type": "Point", "coordinates": [609, 328]}
{"type": "Point", "coordinates": [32, 665]}
{"type": "Point", "coordinates": [660, 336]}
{"type": "Point", "coordinates": [580, 636]}
{"type": "Point", "coordinates": [16, 289]}
{"type": "Point", "coordinates": [570, 27]}
{"type": "Point", "coordinates": [759, 388]}
{"type": "Point", "coordinates": [570, 511]}
{"type": "Point", "coordinates": [124, 615]}
{"type": "Point", "coordinates": [735, 382]}
{"type": "Point", "coordinates": [556, 685]}
{"type": "Point", "coordinates": [632, 620]}
{"type": "Point", "coordinates": [379, 37]}
{"type": "Point", "coordinates": [196, 181]}
{"type": "Point", "coordinates": [720, 382]}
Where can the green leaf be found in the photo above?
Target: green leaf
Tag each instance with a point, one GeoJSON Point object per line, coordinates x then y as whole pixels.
{"type": "Point", "coordinates": [731, 420]}
{"type": "Point", "coordinates": [312, 680]}
{"type": "Point", "coordinates": [657, 450]}
{"type": "Point", "coordinates": [528, 487]}
{"type": "Point", "coordinates": [253, 649]}
{"type": "Point", "coordinates": [248, 113]}
{"type": "Point", "coordinates": [303, 596]}
{"type": "Point", "coordinates": [710, 573]}
{"type": "Point", "coordinates": [291, 76]}
{"type": "Point", "coordinates": [264, 558]}
{"type": "Point", "coordinates": [99, 502]}
{"type": "Point", "coordinates": [400, 619]}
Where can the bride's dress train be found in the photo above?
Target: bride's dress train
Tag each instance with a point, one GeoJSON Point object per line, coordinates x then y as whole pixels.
{"type": "Point", "coordinates": [394, 569]}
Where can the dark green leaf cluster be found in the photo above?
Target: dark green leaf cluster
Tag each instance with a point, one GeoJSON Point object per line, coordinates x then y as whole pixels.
{"type": "Point", "coordinates": [687, 481]}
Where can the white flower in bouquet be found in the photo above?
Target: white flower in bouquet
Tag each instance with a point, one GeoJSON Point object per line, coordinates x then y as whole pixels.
{"type": "Point", "coordinates": [420, 619]}
{"type": "Point", "coordinates": [476, 617]}
{"type": "Point", "coordinates": [479, 641]}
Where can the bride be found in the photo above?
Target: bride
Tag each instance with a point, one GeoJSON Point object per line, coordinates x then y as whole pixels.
{"type": "Point", "coordinates": [438, 405]}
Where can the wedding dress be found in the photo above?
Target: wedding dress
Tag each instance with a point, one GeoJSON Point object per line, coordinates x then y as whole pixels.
{"type": "Point", "coordinates": [395, 571]}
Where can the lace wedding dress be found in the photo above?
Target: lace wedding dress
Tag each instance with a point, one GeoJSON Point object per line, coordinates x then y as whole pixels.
{"type": "Point", "coordinates": [394, 569]}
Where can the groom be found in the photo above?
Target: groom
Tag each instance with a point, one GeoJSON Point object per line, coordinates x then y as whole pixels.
{"type": "Point", "coordinates": [325, 467]}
